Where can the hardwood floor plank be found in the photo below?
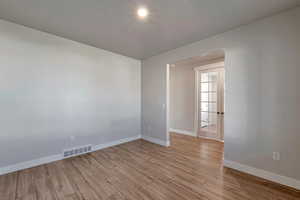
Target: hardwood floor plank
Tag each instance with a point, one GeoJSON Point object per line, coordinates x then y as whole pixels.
{"type": "Point", "coordinates": [8, 186]}
{"type": "Point", "coordinates": [60, 184]}
{"type": "Point", "coordinates": [26, 188]}
{"type": "Point", "coordinates": [82, 188]}
{"type": "Point", "coordinates": [190, 169]}
{"type": "Point", "coordinates": [43, 184]}
{"type": "Point", "coordinates": [93, 177]}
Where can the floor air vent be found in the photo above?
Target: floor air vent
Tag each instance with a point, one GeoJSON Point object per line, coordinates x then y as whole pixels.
{"type": "Point", "coordinates": [77, 151]}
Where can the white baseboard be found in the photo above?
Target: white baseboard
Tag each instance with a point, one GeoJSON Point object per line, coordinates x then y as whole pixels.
{"type": "Point", "coordinates": [156, 141]}
{"type": "Point", "coordinates": [184, 132]}
{"type": "Point", "coordinates": [29, 164]}
{"type": "Point", "coordinates": [209, 138]}
{"type": "Point", "coordinates": [283, 180]}
{"type": "Point", "coordinates": [48, 159]}
{"type": "Point", "coordinates": [114, 143]}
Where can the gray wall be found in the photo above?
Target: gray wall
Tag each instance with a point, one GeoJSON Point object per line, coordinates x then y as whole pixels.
{"type": "Point", "coordinates": [262, 92]}
{"type": "Point", "coordinates": [56, 94]}
{"type": "Point", "coordinates": [182, 98]}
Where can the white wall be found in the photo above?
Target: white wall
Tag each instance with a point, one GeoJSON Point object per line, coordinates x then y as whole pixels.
{"type": "Point", "coordinates": [52, 88]}
{"type": "Point", "coordinates": [262, 100]}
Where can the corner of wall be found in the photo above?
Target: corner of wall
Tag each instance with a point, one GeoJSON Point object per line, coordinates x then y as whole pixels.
{"type": "Point", "coordinates": [156, 141]}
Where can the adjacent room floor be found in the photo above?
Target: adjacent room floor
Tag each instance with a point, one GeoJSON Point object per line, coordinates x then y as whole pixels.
{"type": "Point", "coordinates": [190, 169]}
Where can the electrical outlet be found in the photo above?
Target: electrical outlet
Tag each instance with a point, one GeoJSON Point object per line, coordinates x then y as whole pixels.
{"type": "Point", "coordinates": [276, 156]}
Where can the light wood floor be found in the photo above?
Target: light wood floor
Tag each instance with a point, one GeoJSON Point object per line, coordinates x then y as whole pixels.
{"type": "Point", "coordinates": [190, 169]}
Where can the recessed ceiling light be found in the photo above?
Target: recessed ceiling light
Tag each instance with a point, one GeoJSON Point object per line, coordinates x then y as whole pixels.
{"type": "Point", "coordinates": [142, 13]}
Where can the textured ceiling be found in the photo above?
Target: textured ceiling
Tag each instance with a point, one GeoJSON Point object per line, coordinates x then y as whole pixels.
{"type": "Point", "coordinates": [112, 24]}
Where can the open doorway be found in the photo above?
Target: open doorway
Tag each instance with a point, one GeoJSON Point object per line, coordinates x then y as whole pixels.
{"type": "Point", "coordinates": [196, 96]}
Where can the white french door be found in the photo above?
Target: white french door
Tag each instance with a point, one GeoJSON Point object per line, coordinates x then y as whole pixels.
{"type": "Point", "coordinates": [211, 103]}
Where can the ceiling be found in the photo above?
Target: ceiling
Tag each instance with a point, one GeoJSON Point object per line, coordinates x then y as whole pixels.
{"type": "Point", "coordinates": [213, 56]}
{"type": "Point", "coordinates": [112, 24]}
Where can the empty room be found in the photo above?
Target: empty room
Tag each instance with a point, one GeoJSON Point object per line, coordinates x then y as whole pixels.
{"type": "Point", "coordinates": [149, 100]}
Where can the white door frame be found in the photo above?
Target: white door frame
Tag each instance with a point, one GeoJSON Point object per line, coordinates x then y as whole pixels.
{"type": "Point", "coordinates": [197, 70]}
{"type": "Point", "coordinates": [167, 106]}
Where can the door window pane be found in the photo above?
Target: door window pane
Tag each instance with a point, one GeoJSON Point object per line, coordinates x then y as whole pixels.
{"type": "Point", "coordinates": [208, 96]}
{"type": "Point", "coordinates": [212, 118]}
{"type": "Point", "coordinates": [208, 121]}
{"type": "Point", "coordinates": [204, 106]}
{"type": "Point", "coordinates": [204, 87]}
{"type": "Point", "coordinates": [203, 124]}
{"type": "Point", "coordinates": [204, 77]}
{"type": "Point", "coordinates": [213, 86]}
{"type": "Point", "coordinates": [204, 116]}
{"type": "Point", "coordinates": [208, 107]}
{"type": "Point", "coordinates": [212, 76]}
{"type": "Point", "coordinates": [204, 96]}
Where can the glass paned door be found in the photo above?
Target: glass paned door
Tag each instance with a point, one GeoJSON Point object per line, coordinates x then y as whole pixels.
{"type": "Point", "coordinates": [210, 103]}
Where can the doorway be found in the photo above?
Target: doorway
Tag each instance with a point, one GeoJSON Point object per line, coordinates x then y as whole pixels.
{"type": "Point", "coordinates": [195, 96]}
